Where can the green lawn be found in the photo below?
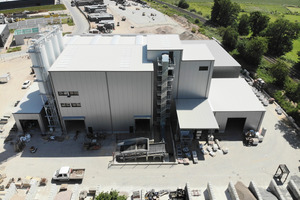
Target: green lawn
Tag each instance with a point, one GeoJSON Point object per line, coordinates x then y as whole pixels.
{"type": "Point", "coordinates": [294, 9]}
{"type": "Point", "coordinates": [35, 8]}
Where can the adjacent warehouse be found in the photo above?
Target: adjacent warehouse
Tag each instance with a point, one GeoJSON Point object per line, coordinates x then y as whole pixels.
{"type": "Point", "coordinates": [128, 83]}
{"type": "Point", "coordinates": [10, 4]}
{"type": "Point", "coordinates": [4, 34]}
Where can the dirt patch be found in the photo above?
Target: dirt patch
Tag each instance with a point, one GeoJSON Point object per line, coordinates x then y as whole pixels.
{"type": "Point", "coordinates": [188, 34]}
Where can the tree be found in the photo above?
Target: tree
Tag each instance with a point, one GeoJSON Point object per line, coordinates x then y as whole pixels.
{"type": "Point", "coordinates": [230, 37]}
{"type": "Point", "coordinates": [243, 27]}
{"type": "Point", "coordinates": [290, 87]}
{"type": "Point", "coordinates": [224, 12]}
{"type": "Point", "coordinates": [281, 34]}
{"type": "Point", "coordinates": [258, 22]}
{"type": "Point", "coordinates": [252, 50]}
{"type": "Point", "coordinates": [183, 4]}
{"type": "Point", "coordinates": [112, 195]}
{"type": "Point", "coordinates": [279, 71]}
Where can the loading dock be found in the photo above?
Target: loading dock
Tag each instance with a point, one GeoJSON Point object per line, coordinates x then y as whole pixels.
{"type": "Point", "coordinates": [235, 125]}
{"type": "Point", "coordinates": [142, 125]}
{"type": "Point", "coordinates": [73, 124]}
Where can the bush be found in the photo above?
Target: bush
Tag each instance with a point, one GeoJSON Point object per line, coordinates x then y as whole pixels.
{"type": "Point", "coordinates": [230, 37]}
{"type": "Point", "coordinates": [201, 30]}
{"type": "Point", "coordinates": [197, 21]}
{"type": "Point", "coordinates": [199, 12]}
{"type": "Point", "coordinates": [194, 30]}
{"type": "Point", "coordinates": [112, 195]}
{"type": "Point", "coordinates": [280, 72]}
{"type": "Point", "coordinates": [193, 10]}
{"type": "Point", "coordinates": [252, 50]}
{"type": "Point", "coordinates": [183, 4]}
{"type": "Point", "coordinates": [290, 87]}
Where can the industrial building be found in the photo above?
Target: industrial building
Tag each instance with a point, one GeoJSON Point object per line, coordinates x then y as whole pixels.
{"type": "Point", "coordinates": [129, 83]}
{"type": "Point", "coordinates": [10, 4]}
{"type": "Point", "coordinates": [4, 34]}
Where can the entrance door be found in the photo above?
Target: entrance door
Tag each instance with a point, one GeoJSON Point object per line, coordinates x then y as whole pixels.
{"type": "Point", "coordinates": [75, 125]}
{"type": "Point", "coordinates": [235, 125]}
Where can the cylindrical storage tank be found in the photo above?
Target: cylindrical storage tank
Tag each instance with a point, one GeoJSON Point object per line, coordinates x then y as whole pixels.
{"type": "Point", "coordinates": [55, 46]}
{"type": "Point", "coordinates": [38, 73]}
{"type": "Point", "coordinates": [34, 59]}
{"type": "Point", "coordinates": [60, 41]}
{"type": "Point", "coordinates": [42, 87]}
{"type": "Point", "coordinates": [50, 52]}
{"type": "Point", "coordinates": [44, 58]}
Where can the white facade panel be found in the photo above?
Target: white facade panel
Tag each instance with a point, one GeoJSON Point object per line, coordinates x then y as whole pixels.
{"type": "Point", "coordinates": [93, 97]}
{"type": "Point", "coordinates": [194, 83]}
{"type": "Point", "coordinates": [253, 119]}
{"type": "Point", "coordinates": [130, 95]}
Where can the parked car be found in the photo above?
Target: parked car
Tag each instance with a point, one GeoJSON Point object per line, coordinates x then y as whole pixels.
{"type": "Point", "coordinates": [16, 104]}
{"type": "Point", "coordinates": [26, 84]}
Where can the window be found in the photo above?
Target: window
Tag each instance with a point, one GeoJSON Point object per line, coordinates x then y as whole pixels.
{"type": "Point", "coordinates": [68, 93]}
{"type": "Point", "coordinates": [205, 68]}
{"type": "Point", "coordinates": [73, 93]}
{"type": "Point", "coordinates": [76, 104]}
{"type": "Point", "coordinates": [65, 105]}
{"type": "Point", "coordinates": [63, 93]}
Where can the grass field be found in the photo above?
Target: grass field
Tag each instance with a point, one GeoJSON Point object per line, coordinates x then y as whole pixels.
{"type": "Point", "coordinates": [294, 9]}
{"type": "Point", "coordinates": [35, 8]}
{"type": "Point", "coordinates": [273, 8]}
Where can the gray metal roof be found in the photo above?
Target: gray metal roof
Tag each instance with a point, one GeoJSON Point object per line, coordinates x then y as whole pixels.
{"type": "Point", "coordinates": [192, 52]}
{"type": "Point", "coordinates": [232, 94]}
{"type": "Point", "coordinates": [195, 114]}
{"type": "Point", "coordinates": [163, 42]}
{"type": "Point", "coordinates": [222, 57]}
{"type": "Point", "coordinates": [31, 102]}
{"type": "Point", "coordinates": [102, 58]}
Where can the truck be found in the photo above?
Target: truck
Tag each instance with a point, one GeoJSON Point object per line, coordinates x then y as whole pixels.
{"type": "Point", "coordinates": [67, 174]}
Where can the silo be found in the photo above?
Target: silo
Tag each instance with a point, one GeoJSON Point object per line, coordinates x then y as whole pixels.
{"type": "Point", "coordinates": [50, 52]}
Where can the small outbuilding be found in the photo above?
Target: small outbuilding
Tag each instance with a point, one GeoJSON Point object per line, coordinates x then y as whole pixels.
{"type": "Point", "coordinates": [22, 34]}
{"type": "Point", "coordinates": [29, 113]}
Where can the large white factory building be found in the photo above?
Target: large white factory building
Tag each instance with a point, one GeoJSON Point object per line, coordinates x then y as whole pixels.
{"type": "Point", "coordinates": [125, 83]}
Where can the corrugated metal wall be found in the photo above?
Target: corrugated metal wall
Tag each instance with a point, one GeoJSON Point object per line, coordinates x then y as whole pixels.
{"type": "Point", "coordinates": [193, 83]}
{"type": "Point", "coordinates": [109, 100]}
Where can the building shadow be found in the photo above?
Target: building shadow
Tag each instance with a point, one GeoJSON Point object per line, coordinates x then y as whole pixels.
{"type": "Point", "coordinates": [288, 133]}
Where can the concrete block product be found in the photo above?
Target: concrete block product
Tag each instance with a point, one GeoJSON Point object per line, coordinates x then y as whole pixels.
{"type": "Point", "coordinates": [273, 188]}
{"type": "Point", "coordinates": [225, 150]}
{"type": "Point", "coordinates": [294, 189]}
{"type": "Point", "coordinates": [211, 191]}
{"type": "Point", "coordinates": [253, 188]}
{"type": "Point", "coordinates": [232, 191]}
{"type": "Point", "coordinates": [212, 154]}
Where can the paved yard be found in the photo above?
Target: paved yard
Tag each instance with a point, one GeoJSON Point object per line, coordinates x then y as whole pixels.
{"type": "Point", "coordinates": [242, 163]}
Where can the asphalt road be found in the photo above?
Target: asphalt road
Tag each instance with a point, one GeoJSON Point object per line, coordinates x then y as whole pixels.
{"type": "Point", "coordinates": [81, 23]}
